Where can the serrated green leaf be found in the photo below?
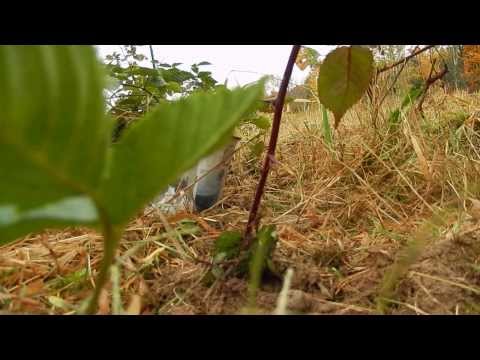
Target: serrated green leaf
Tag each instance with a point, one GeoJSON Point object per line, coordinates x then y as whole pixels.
{"type": "Point", "coordinates": [53, 139]}
{"type": "Point", "coordinates": [167, 142]}
{"type": "Point", "coordinates": [343, 78]}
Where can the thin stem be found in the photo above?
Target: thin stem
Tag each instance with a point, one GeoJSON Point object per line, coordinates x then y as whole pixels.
{"type": "Point", "coordinates": [279, 103]}
{"type": "Point", "coordinates": [142, 88]}
{"type": "Point", "coordinates": [152, 57]}
{"type": "Point", "coordinates": [111, 238]}
{"type": "Point", "coordinates": [405, 59]}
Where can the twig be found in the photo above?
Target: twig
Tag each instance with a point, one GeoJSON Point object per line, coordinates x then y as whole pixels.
{"type": "Point", "coordinates": [430, 81]}
{"type": "Point", "coordinates": [377, 107]}
{"type": "Point", "coordinates": [405, 59]}
{"type": "Point", "coordinates": [142, 88]}
{"type": "Point", "coordinates": [279, 103]}
{"type": "Point", "coordinates": [152, 57]}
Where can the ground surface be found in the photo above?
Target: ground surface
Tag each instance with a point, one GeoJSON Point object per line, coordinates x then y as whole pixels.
{"type": "Point", "coordinates": [346, 219]}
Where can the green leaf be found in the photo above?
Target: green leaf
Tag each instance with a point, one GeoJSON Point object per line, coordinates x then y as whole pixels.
{"type": "Point", "coordinates": [53, 138]}
{"type": "Point", "coordinates": [261, 252]}
{"type": "Point", "coordinates": [261, 122]}
{"type": "Point", "coordinates": [15, 221]}
{"type": "Point", "coordinates": [203, 63]}
{"type": "Point", "coordinates": [168, 141]}
{"type": "Point", "coordinates": [413, 94]}
{"type": "Point", "coordinates": [174, 86]}
{"type": "Point", "coordinates": [343, 78]}
{"type": "Point", "coordinates": [227, 246]}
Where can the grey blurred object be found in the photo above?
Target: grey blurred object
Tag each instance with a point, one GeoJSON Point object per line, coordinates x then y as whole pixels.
{"type": "Point", "coordinates": [211, 172]}
{"type": "Point", "coordinates": [200, 187]}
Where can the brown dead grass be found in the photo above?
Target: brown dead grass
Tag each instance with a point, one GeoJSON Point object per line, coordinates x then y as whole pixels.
{"type": "Point", "coordinates": [343, 217]}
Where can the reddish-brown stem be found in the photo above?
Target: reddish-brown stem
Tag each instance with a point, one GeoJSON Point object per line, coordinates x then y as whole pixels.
{"type": "Point", "coordinates": [279, 103]}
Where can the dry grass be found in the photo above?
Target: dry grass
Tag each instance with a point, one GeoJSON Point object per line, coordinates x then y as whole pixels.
{"type": "Point", "coordinates": [346, 218]}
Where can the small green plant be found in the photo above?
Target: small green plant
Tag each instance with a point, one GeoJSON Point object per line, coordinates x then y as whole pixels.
{"type": "Point", "coordinates": [254, 261]}
{"type": "Point", "coordinates": [135, 89]}
{"type": "Point", "coordinates": [413, 94]}
{"type": "Point", "coordinates": [58, 167]}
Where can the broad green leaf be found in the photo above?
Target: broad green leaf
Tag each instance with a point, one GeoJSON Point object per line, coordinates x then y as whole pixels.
{"type": "Point", "coordinates": [53, 138]}
{"type": "Point", "coordinates": [343, 78]}
{"type": "Point", "coordinates": [204, 63]}
{"type": "Point", "coordinates": [170, 139]}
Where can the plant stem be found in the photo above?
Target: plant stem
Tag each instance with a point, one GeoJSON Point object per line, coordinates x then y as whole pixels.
{"type": "Point", "coordinates": [279, 103]}
{"type": "Point", "coordinates": [111, 238]}
{"type": "Point", "coordinates": [152, 57]}
{"type": "Point", "coordinates": [405, 59]}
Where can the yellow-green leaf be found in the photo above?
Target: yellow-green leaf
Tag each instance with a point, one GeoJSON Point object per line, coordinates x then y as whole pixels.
{"type": "Point", "coordinates": [343, 78]}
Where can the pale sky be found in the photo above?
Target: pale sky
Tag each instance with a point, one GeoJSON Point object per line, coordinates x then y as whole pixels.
{"type": "Point", "coordinates": [228, 61]}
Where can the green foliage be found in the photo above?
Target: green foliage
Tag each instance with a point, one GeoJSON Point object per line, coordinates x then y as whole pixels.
{"type": "Point", "coordinates": [135, 89]}
{"type": "Point", "coordinates": [54, 137]}
{"type": "Point", "coordinates": [413, 94]}
{"type": "Point", "coordinates": [253, 261]}
{"type": "Point", "coordinates": [344, 77]}
{"type": "Point", "coordinates": [260, 121]}
{"type": "Point", "coordinates": [75, 279]}
{"type": "Point", "coordinates": [57, 167]}
{"type": "Point", "coordinates": [262, 124]}
{"type": "Point", "coordinates": [260, 257]}
{"type": "Point", "coordinates": [227, 246]}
